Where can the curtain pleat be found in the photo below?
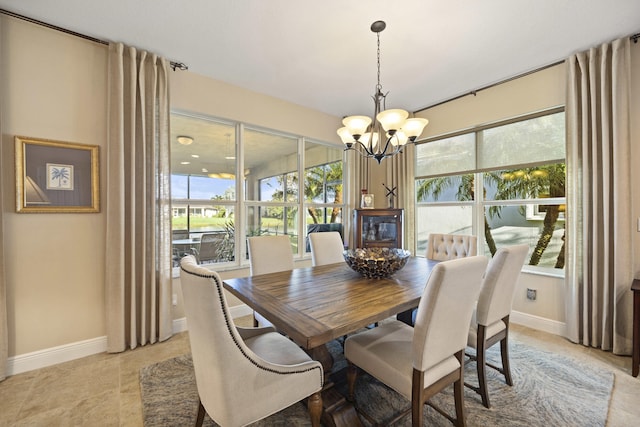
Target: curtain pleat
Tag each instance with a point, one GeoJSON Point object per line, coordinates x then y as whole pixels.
{"type": "Point", "coordinates": [4, 332]}
{"type": "Point", "coordinates": [138, 253]}
{"type": "Point", "coordinates": [599, 222]}
{"type": "Point", "coordinates": [400, 170]}
{"type": "Point", "coordinates": [357, 177]}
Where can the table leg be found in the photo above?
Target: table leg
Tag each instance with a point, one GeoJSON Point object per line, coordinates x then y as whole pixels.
{"type": "Point", "coordinates": [337, 411]}
{"type": "Point", "coordinates": [635, 362]}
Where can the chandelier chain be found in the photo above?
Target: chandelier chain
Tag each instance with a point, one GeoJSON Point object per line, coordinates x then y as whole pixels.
{"type": "Point", "coordinates": [378, 86]}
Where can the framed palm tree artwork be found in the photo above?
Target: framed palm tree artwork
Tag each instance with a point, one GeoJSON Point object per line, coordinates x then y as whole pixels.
{"type": "Point", "coordinates": [56, 176]}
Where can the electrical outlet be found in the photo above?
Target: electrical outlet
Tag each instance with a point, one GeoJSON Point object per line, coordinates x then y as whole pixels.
{"type": "Point", "coordinates": [531, 294]}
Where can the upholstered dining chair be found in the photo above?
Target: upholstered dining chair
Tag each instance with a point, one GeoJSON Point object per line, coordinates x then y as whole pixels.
{"type": "Point", "coordinates": [242, 374]}
{"type": "Point", "coordinates": [326, 248]}
{"type": "Point", "coordinates": [443, 247]}
{"type": "Point", "coordinates": [418, 362]}
{"type": "Point", "coordinates": [490, 320]}
{"type": "Point", "coordinates": [268, 254]}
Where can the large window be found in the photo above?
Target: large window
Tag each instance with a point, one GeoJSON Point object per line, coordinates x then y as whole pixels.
{"type": "Point", "coordinates": [323, 189]}
{"type": "Point", "coordinates": [504, 183]}
{"type": "Point", "coordinates": [230, 181]}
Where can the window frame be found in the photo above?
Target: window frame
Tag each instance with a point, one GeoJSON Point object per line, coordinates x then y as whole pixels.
{"type": "Point", "coordinates": [479, 202]}
{"type": "Point", "coordinates": [241, 205]}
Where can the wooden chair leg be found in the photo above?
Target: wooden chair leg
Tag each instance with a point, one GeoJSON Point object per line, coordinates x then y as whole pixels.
{"type": "Point", "coordinates": [504, 352]}
{"type": "Point", "coordinates": [481, 353]}
{"type": "Point", "coordinates": [201, 412]}
{"type": "Point", "coordinates": [352, 373]}
{"type": "Point", "coordinates": [417, 398]}
{"type": "Point", "coordinates": [458, 392]}
{"type": "Point", "coordinates": [458, 395]}
{"type": "Point", "coordinates": [314, 404]}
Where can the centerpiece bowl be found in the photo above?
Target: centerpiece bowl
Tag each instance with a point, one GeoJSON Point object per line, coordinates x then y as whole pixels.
{"type": "Point", "coordinates": [376, 263]}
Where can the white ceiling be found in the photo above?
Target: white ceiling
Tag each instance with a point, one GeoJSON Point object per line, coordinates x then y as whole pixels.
{"type": "Point", "coordinates": [322, 54]}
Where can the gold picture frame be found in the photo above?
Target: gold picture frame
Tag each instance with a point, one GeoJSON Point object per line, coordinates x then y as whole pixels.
{"type": "Point", "coordinates": [56, 176]}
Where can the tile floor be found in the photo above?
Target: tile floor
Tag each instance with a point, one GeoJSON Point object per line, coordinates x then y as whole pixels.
{"type": "Point", "coordinates": [103, 389]}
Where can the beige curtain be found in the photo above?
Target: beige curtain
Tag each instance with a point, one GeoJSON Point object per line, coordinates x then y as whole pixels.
{"type": "Point", "coordinates": [599, 223]}
{"type": "Point", "coordinates": [400, 173]}
{"type": "Point", "coordinates": [357, 177]}
{"type": "Point", "coordinates": [138, 252]}
{"type": "Point", "coordinates": [4, 350]}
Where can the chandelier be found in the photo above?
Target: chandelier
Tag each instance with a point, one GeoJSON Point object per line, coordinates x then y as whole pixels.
{"type": "Point", "coordinates": [388, 132]}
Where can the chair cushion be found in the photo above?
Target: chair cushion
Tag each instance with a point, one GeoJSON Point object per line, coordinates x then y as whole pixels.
{"type": "Point", "coordinates": [491, 330]}
{"type": "Point", "coordinates": [275, 348]}
{"type": "Point", "coordinates": [387, 352]}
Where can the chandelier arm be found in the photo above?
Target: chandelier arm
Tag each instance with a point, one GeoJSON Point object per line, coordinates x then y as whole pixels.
{"type": "Point", "coordinates": [365, 148]}
{"type": "Point", "coordinates": [361, 149]}
{"type": "Point", "coordinates": [387, 146]}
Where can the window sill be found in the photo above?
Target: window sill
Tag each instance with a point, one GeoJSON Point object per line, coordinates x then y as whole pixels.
{"type": "Point", "coordinates": [544, 271]}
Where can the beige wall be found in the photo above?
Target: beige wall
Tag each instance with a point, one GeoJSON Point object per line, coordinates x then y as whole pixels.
{"type": "Point", "coordinates": [54, 87]}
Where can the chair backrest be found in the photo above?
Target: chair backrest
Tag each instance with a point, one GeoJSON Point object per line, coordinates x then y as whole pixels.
{"type": "Point", "coordinates": [221, 360]}
{"type": "Point", "coordinates": [499, 284]}
{"type": "Point", "coordinates": [443, 247]}
{"type": "Point", "coordinates": [269, 254]}
{"type": "Point", "coordinates": [209, 244]}
{"type": "Point", "coordinates": [445, 310]}
{"type": "Point", "coordinates": [326, 248]}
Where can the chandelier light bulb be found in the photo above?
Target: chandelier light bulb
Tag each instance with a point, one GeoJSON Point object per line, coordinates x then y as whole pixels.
{"type": "Point", "coordinates": [365, 138]}
{"type": "Point", "coordinates": [399, 138]}
{"type": "Point", "coordinates": [345, 136]}
{"type": "Point", "coordinates": [392, 120]}
{"type": "Point", "coordinates": [412, 128]}
{"type": "Point", "coordinates": [357, 125]}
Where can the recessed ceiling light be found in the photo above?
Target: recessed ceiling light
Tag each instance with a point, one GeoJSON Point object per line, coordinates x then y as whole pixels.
{"type": "Point", "coordinates": [195, 156]}
{"type": "Point", "coordinates": [185, 163]}
{"type": "Point", "coordinates": [184, 140]}
{"type": "Point", "coordinates": [205, 170]}
{"type": "Point", "coordinates": [230, 157]}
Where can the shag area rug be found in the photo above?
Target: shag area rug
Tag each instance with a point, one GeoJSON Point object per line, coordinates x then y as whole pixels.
{"type": "Point", "coordinates": [549, 390]}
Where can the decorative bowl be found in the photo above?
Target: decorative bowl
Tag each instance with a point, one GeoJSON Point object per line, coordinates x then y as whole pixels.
{"type": "Point", "coordinates": [376, 263]}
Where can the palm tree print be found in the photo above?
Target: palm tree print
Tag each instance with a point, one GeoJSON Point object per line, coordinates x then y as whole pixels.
{"type": "Point", "coordinates": [60, 174]}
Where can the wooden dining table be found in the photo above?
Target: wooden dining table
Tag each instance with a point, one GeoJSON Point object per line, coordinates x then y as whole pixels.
{"type": "Point", "coordinates": [315, 305]}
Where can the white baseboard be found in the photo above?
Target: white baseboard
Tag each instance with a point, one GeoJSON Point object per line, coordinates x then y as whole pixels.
{"type": "Point", "coordinates": [65, 353]}
{"type": "Point", "coordinates": [539, 323]}
{"type": "Point", "coordinates": [54, 355]}
{"type": "Point", "coordinates": [179, 325]}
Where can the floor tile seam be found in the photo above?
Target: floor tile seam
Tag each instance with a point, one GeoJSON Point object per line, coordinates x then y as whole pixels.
{"type": "Point", "coordinates": [29, 394]}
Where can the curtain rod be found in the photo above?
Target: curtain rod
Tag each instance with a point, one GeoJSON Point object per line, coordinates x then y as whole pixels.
{"type": "Point", "coordinates": [633, 38]}
{"type": "Point", "coordinates": [174, 65]}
